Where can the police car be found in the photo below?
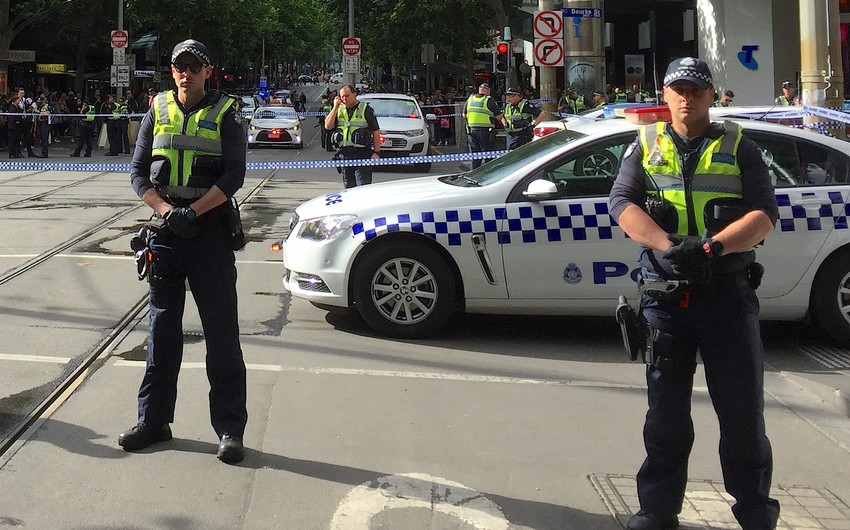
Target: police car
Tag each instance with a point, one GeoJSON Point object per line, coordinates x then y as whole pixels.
{"type": "Point", "coordinates": [275, 125]}
{"type": "Point", "coordinates": [530, 233]}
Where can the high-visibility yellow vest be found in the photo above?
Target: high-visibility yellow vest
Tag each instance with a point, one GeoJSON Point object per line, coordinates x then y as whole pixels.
{"type": "Point", "coordinates": [573, 105]}
{"type": "Point", "coordinates": [180, 138]}
{"type": "Point", "coordinates": [515, 113]}
{"type": "Point", "coordinates": [477, 113]}
{"type": "Point", "coordinates": [717, 173]}
{"type": "Point", "coordinates": [90, 113]}
{"type": "Point", "coordinates": [349, 124]}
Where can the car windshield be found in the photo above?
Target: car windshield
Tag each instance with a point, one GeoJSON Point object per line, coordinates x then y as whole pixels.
{"type": "Point", "coordinates": [512, 161]}
{"type": "Point", "coordinates": [395, 108]}
{"type": "Point", "coordinates": [271, 113]}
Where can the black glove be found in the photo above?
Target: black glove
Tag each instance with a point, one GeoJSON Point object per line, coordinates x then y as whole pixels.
{"type": "Point", "coordinates": [181, 221]}
{"type": "Point", "coordinates": [689, 258]}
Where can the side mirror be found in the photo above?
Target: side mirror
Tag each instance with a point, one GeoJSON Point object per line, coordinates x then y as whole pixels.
{"type": "Point", "coordinates": [540, 190]}
{"type": "Point", "coordinates": [431, 117]}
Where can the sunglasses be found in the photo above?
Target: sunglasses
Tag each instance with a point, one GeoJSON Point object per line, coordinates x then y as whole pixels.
{"type": "Point", "coordinates": [194, 67]}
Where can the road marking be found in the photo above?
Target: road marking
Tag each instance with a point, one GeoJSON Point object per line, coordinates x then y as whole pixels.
{"type": "Point", "coordinates": [34, 358]}
{"type": "Point", "coordinates": [416, 490]}
{"type": "Point", "coordinates": [412, 375]}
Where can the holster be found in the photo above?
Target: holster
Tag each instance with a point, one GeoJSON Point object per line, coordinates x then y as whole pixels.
{"type": "Point", "coordinates": [633, 332]}
{"type": "Point", "coordinates": [668, 353]}
{"type": "Point", "coordinates": [234, 226]}
{"type": "Point", "coordinates": [663, 290]}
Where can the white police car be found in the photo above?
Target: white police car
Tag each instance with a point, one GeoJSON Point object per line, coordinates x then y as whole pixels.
{"type": "Point", "coordinates": [275, 125]}
{"type": "Point", "coordinates": [530, 233]}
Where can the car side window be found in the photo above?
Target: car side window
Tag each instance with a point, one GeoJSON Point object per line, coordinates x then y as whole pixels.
{"type": "Point", "coordinates": [781, 158]}
{"type": "Point", "coordinates": [589, 171]}
{"type": "Point", "coordinates": [822, 165]}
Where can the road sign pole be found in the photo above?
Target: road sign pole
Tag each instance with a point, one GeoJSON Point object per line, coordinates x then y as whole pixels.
{"type": "Point", "coordinates": [546, 82]}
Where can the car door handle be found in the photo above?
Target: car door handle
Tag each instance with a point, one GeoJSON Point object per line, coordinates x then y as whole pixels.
{"type": "Point", "coordinates": [813, 202]}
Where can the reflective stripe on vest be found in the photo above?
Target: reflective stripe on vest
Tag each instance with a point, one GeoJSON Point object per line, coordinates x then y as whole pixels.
{"type": "Point", "coordinates": [348, 124]}
{"type": "Point", "coordinates": [620, 97]}
{"type": "Point", "coordinates": [477, 113]}
{"type": "Point", "coordinates": [717, 173]}
{"type": "Point", "coordinates": [574, 104]}
{"type": "Point", "coordinates": [517, 113]}
{"type": "Point", "coordinates": [90, 113]}
{"type": "Point", "coordinates": [180, 138]}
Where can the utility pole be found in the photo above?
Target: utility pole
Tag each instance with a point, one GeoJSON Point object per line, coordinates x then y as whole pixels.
{"type": "Point", "coordinates": [547, 84]}
{"type": "Point", "coordinates": [821, 74]}
{"type": "Point", "coordinates": [351, 77]}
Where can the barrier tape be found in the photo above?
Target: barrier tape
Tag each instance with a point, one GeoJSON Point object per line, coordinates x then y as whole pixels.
{"type": "Point", "coordinates": [824, 112]}
{"type": "Point", "coordinates": [302, 164]}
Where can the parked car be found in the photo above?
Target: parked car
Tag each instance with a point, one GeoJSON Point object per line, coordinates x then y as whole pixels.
{"type": "Point", "coordinates": [403, 129]}
{"type": "Point", "coordinates": [275, 125]}
{"type": "Point", "coordinates": [305, 79]}
{"type": "Point", "coordinates": [337, 78]}
{"type": "Point", "coordinates": [530, 233]}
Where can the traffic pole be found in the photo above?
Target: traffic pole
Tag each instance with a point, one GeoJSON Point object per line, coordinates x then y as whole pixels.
{"type": "Point", "coordinates": [821, 73]}
{"type": "Point", "coordinates": [547, 83]}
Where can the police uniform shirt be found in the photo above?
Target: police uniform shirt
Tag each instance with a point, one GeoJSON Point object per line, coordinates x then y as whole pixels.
{"type": "Point", "coordinates": [233, 140]}
{"type": "Point", "coordinates": [492, 106]}
{"type": "Point", "coordinates": [371, 124]}
{"type": "Point", "coordinates": [630, 187]}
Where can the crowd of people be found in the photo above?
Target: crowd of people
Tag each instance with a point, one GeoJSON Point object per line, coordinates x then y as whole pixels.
{"type": "Point", "coordinates": [40, 116]}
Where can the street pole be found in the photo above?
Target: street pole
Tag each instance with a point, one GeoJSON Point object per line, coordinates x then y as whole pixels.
{"type": "Point", "coordinates": [547, 83]}
{"type": "Point", "coordinates": [351, 77]}
{"type": "Point", "coordinates": [821, 74]}
{"type": "Point", "coordinates": [121, 27]}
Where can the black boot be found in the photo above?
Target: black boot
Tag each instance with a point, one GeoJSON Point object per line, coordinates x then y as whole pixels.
{"type": "Point", "coordinates": [650, 521]}
{"type": "Point", "coordinates": [143, 435]}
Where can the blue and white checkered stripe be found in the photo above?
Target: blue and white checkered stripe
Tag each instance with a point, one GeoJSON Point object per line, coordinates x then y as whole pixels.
{"type": "Point", "coordinates": [794, 218]}
{"type": "Point", "coordinates": [509, 224]}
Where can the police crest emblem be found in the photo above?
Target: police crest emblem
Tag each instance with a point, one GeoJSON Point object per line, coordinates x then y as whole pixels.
{"type": "Point", "coordinates": [572, 274]}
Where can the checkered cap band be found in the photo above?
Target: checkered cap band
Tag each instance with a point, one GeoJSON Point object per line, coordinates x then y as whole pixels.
{"type": "Point", "coordinates": [687, 75]}
{"type": "Point", "coordinates": [195, 48]}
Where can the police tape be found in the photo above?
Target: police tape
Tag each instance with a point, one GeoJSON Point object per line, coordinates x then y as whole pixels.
{"type": "Point", "coordinates": [824, 112]}
{"type": "Point", "coordinates": [300, 164]}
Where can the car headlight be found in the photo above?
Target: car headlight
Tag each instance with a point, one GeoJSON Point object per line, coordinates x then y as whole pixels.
{"type": "Point", "coordinates": [327, 227]}
{"type": "Point", "coordinates": [297, 128]}
{"type": "Point", "coordinates": [253, 127]}
{"type": "Point", "coordinates": [414, 132]}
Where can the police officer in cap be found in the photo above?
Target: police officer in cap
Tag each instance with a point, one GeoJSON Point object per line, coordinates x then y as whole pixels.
{"type": "Point", "coordinates": [481, 113]}
{"type": "Point", "coordinates": [697, 197]}
{"type": "Point", "coordinates": [519, 119]}
{"type": "Point", "coordinates": [86, 129]}
{"type": "Point", "coordinates": [788, 97]}
{"type": "Point", "coordinates": [188, 163]}
{"type": "Point", "coordinates": [599, 99]}
{"type": "Point", "coordinates": [44, 123]}
{"type": "Point", "coordinates": [357, 125]}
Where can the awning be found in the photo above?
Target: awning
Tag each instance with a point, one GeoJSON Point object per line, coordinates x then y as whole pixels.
{"type": "Point", "coordinates": [144, 42]}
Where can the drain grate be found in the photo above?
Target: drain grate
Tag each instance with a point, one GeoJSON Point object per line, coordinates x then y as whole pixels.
{"type": "Point", "coordinates": [708, 506]}
{"type": "Point", "coordinates": [826, 356]}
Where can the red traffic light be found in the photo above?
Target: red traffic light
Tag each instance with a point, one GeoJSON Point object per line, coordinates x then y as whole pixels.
{"type": "Point", "coordinates": [502, 47]}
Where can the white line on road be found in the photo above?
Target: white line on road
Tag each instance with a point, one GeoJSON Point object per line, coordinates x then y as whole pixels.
{"type": "Point", "coordinates": [471, 378]}
{"type": "Point", "coordinates": [34, 358]}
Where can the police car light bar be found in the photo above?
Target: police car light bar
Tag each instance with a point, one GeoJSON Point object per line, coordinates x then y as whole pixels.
{"type": "Point", "coordinates": [647, 115]}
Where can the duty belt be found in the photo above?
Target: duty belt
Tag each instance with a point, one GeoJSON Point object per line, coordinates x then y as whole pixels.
{"type": "Point", "coordinates": [184, 192]}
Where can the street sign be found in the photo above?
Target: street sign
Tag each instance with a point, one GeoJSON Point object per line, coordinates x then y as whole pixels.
{"type": "Point", "coordinates": [118, 38]}
{"type": "Point", "coordinates": [351, 64]}
{"type": "Point", "coordinates": [351, 46]}
{"type": "Point", "coordinates": [579, 12]}
{"type": "Point", "coordinates": [548, 52]}
{"type": "Point", "coordinates": [119, 76]}
{"type": "Point", "coordinates": [118, 56]}
{"type": "Point", "coordinates": [263, 81]}
{"type": "Point", "coordinates": [548, 25]}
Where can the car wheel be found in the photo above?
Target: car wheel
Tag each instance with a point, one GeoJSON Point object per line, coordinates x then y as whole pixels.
{"type": "Point", "coordinates": [830, 305]}
{"type": "Point", "coordinates": [404, 291]}
{"type": "Point", "coordinates": [596, 163]}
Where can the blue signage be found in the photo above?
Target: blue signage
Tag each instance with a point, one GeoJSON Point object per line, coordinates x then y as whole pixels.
{"type": "Point", "coordinates": [746, 56]}
{"type": "Point", "coordinates": [582, 12]}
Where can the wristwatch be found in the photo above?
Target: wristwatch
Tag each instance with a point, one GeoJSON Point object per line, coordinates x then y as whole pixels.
{"type": "Point", "coordinates": [190, 213]}
{"type": "Point", "coordinates": [712, 248]}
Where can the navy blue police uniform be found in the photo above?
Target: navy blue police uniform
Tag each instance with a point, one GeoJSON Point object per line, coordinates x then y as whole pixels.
{"type": "Point", "coordinates": [720, 319]}
{"type": "Point", "coordinates": [481, 134]}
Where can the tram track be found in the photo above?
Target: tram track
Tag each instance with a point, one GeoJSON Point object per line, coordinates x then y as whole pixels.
{"type": "Point", "coordinates": [46, 193]}
{"type": "Point", "coordinates": [98, 355]}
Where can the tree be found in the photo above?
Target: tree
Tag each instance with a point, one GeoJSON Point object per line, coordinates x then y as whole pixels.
{"type": "Point", "coordinates": [13, 20]}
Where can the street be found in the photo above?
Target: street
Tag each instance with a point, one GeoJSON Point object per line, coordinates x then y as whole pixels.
{"type": "Point", "coordinates": [501, 422]}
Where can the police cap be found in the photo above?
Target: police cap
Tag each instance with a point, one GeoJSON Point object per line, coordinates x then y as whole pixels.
{"type": "Point", "coordinates": [688, 69]}
{"type": "Point", "coordinates": [194, 47]}
{"type": "Point", "coordinates": [484, 85]}
{"type": "Point", "coordinates": [513, 91]}
{"type": "Point", "coordinates": [787, 84]}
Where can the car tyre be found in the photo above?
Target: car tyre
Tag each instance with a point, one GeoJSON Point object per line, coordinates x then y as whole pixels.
{"type": "Point", "coordinates": [596, 163]}
{"type": "Point", "coordinates": [404, 290]}
{"type": "Point", "coordinates": [830, 303]}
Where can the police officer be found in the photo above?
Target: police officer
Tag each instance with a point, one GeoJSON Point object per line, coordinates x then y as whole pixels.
{"type": "Point", "coordinates": [360, 132]}
{"type": "Point", "coordinates": [113, 129]}
{"type": "Point", "coordinates": [519, 119]}
{"type": "Point", "coordinates": [788, 97]}
{"type": "Point", "coordinates": [672, 183]}
{"type": "Point", "coordinates": [188, 163]}
{"type": "Point", "coordinates": [725, 99]}
{"type": "Point", "coordinates": [86, 129]}
{"type": "Point", "coordinates": [27, 125]}
{"type": "Point", "coordinates": [599, 99]}
{"type": "Point", "coordinates": [44, 123]}
{"type": "Point", "coordinates": [572, 102]}
{"type": "Point", "coordinates": [326, 134]}
{"type": "Point", "coordinates": [481, 112]}
{"type": "Point", "coordinates": [124, 124]}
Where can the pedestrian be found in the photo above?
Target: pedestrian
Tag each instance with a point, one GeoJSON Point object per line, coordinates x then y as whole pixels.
{"type": "Point", "coordinates": [302, 98]}
{"type": "Point", "coordinates": [708, 261]}
{"type": "Point", "coordinates": [481, 113]}
{"type": "Point", "coordinates": [43, 125]}
{"type": "Point", "coordinates": [134, 109]}
{"type": "Point", "coordinates": [360, 133]}
{"type": "Point", "coordinates": [27, 123]}
{"type": "Point", "coordinates": [519, 119]}
{"type": "Point", "coordinates": [725, 99]}
{"type": "Point", "coordinates": [112, 119]}
{"type": "Point", "coordinates": [85, 127]}
{"type": "Point", "coordinates": [572, 103]}
{"type": "Point", "coordinates": [190, 129]}
{"type": "Point", "coordinates": [98, 102]}
{"type": "Point", "coordinates": [788, 96]}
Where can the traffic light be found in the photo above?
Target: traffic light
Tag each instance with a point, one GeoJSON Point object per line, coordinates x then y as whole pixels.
{"type": "Point", "coordinates": [502, 57]}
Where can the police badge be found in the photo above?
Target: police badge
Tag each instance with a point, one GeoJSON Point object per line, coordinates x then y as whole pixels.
{"type": "Point", "coordinates": [572, 274]}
